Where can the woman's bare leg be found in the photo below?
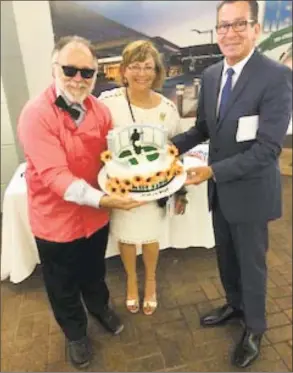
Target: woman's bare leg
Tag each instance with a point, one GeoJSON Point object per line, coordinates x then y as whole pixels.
{"type": "Point", "coordinates": [150, 254]}
{"type": "Point", "coordinates": [128, 257]}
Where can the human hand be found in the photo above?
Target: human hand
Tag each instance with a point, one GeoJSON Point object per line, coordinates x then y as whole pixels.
{"type": "Point", "coordinates": [197, 175]}
{"type": "Point", "coordinates": [122, 203]}
{"type": "Point", "coordinates": [180, 204]}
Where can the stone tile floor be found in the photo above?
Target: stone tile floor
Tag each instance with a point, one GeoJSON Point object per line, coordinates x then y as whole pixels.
{"type": "Point", "coordinates": [171, 339]}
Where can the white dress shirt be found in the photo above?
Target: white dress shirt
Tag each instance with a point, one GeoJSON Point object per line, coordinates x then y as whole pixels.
{"type": "Point", "coordinates": [79, 191]}
{"type": "Point", "coordinates": [238, 67]}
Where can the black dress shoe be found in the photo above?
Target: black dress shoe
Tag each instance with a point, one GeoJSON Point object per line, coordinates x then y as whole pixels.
{"type": "Point", "coordinates": [80, 352]}
{"type": "Point", "coordinates": [247, 349]}
{"type": "Point", "coordinates": [220, 315]}
{"type": "Point", "coordinates": [110, 321]}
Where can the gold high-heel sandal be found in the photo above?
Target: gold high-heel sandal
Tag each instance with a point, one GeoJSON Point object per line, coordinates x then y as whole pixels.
{"type": "Point", "coordinates": [150, 305]}
{"type": "Point", "coordinates": [132, 305]}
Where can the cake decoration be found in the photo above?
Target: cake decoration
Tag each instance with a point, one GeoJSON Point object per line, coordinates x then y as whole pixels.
{"type": "Point", "coordinates": [140, 162]}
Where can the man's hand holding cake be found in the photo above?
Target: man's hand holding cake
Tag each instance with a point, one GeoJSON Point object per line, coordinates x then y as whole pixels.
{"type": "Point", "coordinates": [197, 175]}
{"type": "Point", "coordinates": [118, 202]}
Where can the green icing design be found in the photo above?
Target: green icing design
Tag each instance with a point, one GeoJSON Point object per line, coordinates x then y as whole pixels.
{"type": "Point", "coordinates": [149, 148]}
{"type": "Point", "coordinates": [153, 157]}
{"type": "Point", "coordinates": [133, 161]}
{"type": "Point", "coordinates": [125, 153]}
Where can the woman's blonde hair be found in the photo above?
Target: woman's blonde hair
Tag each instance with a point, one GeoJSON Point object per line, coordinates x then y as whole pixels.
{"type": "Point", "coordinates": [139, 51]}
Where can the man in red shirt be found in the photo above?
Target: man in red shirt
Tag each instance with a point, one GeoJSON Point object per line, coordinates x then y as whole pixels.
{"type": "Point", "coordinates": [63, 132]}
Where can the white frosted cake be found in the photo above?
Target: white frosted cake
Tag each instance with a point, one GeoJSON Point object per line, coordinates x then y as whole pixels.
{"type": "Point", "coordinates": [139, 159]}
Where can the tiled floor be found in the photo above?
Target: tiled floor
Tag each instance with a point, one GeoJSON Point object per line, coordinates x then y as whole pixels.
{"type": "Point", "coordinates": [170, 340]}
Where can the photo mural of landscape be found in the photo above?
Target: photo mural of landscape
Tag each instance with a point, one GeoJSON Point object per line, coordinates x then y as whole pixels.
{"type": "Point", "coordinates": [183, 32]}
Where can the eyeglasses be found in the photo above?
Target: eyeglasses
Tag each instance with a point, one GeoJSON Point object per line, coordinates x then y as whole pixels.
{"type": "Point", "coordinates": [137, 69]}
{"type": "Point", "coordinates": [71, 71]}
{"type": "Point", "coordinates": [237, 26]}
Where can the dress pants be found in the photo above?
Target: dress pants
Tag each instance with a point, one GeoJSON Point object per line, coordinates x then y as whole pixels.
{"type": "Point", "coordinates": [72, 271]}
{"type": "Point", "coordinates": [241, 254]}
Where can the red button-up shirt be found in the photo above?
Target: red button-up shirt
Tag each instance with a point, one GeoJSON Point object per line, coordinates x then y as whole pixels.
{"type": "Point", "coordinates": [57, 153]}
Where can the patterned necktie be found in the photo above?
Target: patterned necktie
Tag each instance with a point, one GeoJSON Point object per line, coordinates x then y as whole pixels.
{"type": "Point", "coordinates": [226, 92]}
{"type": "Point", "coordinates": [62, 104]}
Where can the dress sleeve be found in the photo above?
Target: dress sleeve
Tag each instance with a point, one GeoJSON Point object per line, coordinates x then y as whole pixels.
{"type": "Point", "coordinates": [112, 100]}
{"type": "Point", "coordinates": [173, 120]}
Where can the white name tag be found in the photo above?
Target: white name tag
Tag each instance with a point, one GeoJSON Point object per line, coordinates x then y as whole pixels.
{"type": "Point", "coordinates": [247, 128]}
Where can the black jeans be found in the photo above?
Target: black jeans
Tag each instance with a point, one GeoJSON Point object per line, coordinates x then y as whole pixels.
{"type": "Point", "coordinates": [72, 270]}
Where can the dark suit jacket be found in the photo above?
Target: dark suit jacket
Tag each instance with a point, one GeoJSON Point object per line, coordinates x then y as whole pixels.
{"type": "Point", "coordinates": [247, 174]}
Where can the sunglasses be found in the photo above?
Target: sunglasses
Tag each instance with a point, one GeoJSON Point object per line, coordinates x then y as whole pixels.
{"type": "Point", "coordinates": [71, 71]}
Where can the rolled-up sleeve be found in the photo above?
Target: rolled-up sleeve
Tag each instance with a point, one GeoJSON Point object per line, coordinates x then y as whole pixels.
{"type": "Point", "coordinates": [44, 150]}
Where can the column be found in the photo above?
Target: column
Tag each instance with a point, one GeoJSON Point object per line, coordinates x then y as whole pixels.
{"type": "Point", "coordinates": [27, 41]}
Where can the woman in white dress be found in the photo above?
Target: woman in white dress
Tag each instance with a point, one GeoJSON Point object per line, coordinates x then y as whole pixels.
{"type": "Point", "coordinates": [136, 101]}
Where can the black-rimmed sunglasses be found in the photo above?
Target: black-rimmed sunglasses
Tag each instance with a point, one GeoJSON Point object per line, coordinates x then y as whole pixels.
{"type": "Point", "coordinates": [71, 71]}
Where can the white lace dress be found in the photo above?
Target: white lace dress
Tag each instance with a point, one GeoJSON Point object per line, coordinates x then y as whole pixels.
{"type": "Point", "coordinates": [142, 224]}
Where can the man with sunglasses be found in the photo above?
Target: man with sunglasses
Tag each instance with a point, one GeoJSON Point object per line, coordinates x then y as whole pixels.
{"type": "Point", "coordinates": [244, 110]}
{"type": "Point", "coordinates": [63, 132]}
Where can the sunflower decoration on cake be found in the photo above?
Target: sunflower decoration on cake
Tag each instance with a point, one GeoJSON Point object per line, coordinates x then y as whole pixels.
{"type": "Point", "coordinates": [112, 187]}
{"type": "Point", "coordinates": [173, 151]}
{"type": "Point", "coordinates": [123, 190]}
{"type": "Point", "coordinates": [125, 186]}
{"type": "Point", "coordinates": [116, 182]}
{"type": "Point", "coordinates": [160, 176]}
{"type": "Point", "coordinates": [127, 183]}
{"type": "Point", "coordinates": [169, 174]}
{"type": "Point", "coordinates": [106, 156]}
{"type": "Point", "coordinates": [177, 169]}
{"type": "Point", "coordinates": [119, 188]}
{"type": "Point", "coordinates": [138, 181]}
{"type": "Point", "coordinates": [150, 181]}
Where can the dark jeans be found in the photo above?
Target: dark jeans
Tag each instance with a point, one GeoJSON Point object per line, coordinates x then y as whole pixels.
{"type": "Point", "coordinates": [72, 270]}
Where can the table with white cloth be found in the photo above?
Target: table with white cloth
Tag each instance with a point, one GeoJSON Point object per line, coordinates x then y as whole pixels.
{"type": "Point", "coordinates": [19, 254]}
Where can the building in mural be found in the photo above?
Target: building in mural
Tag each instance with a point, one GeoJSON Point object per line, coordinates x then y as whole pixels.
{"type": "Point", "coordinates": [111, 25]}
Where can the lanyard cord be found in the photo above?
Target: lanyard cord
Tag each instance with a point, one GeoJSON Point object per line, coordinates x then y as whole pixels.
{"type": "Point", "coordinates": [129, 105]}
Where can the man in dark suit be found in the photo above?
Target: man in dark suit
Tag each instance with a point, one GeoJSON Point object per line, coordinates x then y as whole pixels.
{"type": "Point", "coordinates": [244, 110]}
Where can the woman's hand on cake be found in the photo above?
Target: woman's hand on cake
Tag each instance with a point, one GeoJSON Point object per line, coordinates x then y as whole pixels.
{"type": "Point", "coordinates": [180, 205]}
{"type": "Point", "coordinates": [122, 203]}
{"type": "Point", "coordinates": [180, 201]}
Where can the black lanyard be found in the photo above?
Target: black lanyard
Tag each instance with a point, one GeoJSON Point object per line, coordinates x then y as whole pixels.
{"type": "Point", "coordinates": [129, 105]}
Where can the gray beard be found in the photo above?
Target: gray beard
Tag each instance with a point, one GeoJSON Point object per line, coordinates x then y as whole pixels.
{"type": "Point", "coordinates": [69, 96]}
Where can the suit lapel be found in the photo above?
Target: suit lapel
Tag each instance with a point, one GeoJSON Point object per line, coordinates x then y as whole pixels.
{"type": "Point", "coordinates": [245, 75]}
{"type": "Point", "coordinates": [216, 85]}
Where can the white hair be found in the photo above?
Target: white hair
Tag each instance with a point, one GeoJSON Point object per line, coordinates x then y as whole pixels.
{"type": "Point", "coordinates": [63, 41]}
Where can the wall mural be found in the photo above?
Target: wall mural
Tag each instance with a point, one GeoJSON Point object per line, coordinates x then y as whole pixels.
{"type": "Point", "coordinates": [187, 46]}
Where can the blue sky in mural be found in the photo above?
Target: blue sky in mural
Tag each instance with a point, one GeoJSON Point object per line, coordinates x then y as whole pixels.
{"type": "Point", "coordinates": [172, 20]}
{"type": "Point", "coordinates": [278, 14]}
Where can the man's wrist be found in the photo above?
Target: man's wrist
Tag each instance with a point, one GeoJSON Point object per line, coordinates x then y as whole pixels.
{"type": "Point", "coordinates": [212, 173]}
{"type": "Point", "coordinates": [102, 194]}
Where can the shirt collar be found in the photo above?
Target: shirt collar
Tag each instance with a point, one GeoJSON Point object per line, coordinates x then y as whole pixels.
{"type": "Point", "coordinates": [59, 92]}
{"type": "Point", "coordinates": [238, 67]}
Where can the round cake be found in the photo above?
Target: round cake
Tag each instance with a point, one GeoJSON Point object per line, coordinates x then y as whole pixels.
{"type": "Point", "coordinates": [139, 159]}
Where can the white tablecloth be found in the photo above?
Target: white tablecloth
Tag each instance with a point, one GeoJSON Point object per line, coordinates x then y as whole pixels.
{"type": "Point", "coordinates": [19, 254]}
